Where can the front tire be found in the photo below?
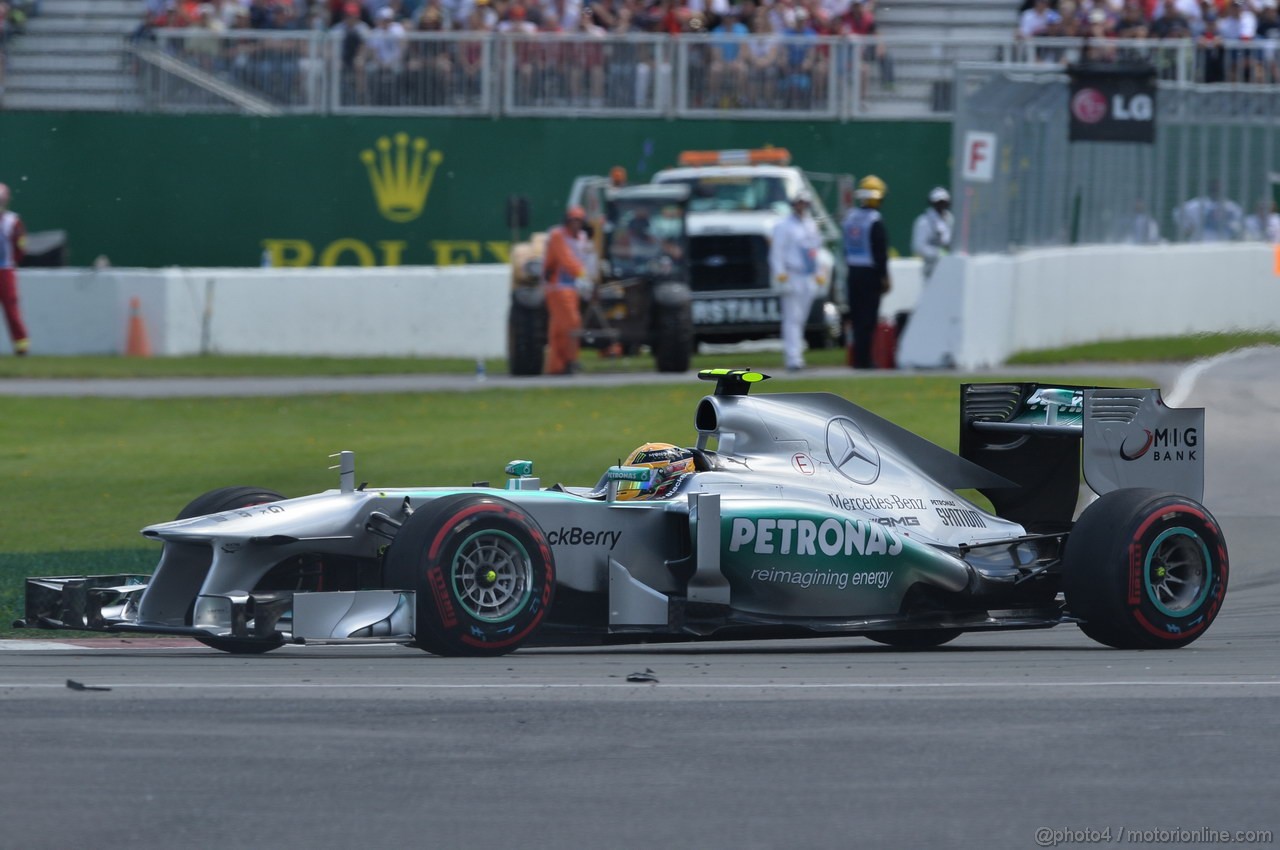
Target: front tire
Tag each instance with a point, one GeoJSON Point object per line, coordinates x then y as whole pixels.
{"type": "Point", "coordinates": [226, 499]}
{"type": "Point", "coordinates": [482, 570]}
{"type": "Point", "coordinates": [241, 646]}
{"type": "Point", "coordinates": [214, 502]}
{"type": "Point", "coordinates": [1145, 570]}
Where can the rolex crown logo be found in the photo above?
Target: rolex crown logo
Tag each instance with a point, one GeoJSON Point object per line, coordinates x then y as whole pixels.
{"type": "Point", "coordinates": [401, 175]}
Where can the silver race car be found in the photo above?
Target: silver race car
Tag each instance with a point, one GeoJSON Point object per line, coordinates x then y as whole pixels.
{"type": "Point", "coordinates": [794, 514]}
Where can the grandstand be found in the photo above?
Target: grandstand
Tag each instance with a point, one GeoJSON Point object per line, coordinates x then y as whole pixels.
{"type": "Point", "coordinates": [75, 56]}
{"type": "Point", "coordinates": [940, 20]}
{"type": "Point", "coordinates": [94, 55]}
{"type": "Point", "coordinates": [927, 37]}
{"type": "Point", "coordinates": [71, 57]}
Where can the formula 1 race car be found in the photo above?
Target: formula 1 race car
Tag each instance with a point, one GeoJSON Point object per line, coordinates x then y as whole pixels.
{"type": "Point", "coordinates": [795, 514]}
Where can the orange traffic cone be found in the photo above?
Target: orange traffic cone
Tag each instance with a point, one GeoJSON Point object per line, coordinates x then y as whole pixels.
{"type": "Point", "coordinates": [137, 344]}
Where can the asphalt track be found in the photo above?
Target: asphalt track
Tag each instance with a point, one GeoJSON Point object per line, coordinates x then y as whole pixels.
{"type": "Point", "coordinates": [1019, 739]}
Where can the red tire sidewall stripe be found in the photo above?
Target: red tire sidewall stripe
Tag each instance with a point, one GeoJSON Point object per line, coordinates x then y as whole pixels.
{"type": "Point", "coordinates": [433, 551]}
{"type": "Point", "coordinates": [444, 603]}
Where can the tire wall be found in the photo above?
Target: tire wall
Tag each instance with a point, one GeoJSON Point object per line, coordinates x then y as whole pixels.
{"type": "Point", "coordinates": [156, 190]}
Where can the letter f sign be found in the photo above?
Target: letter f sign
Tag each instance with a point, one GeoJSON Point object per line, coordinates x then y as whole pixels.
{"type": "Point", "coordinates": [979, 156]}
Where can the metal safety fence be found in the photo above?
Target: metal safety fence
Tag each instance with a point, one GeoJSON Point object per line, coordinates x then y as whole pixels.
{"type": "Point", "coordinates": [711, 76]}
{"type": "Point", "coordinates": [1211, 174]}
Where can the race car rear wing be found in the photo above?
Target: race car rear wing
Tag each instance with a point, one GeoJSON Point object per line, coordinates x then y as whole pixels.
{"type": "Point", "coordinates": [1040, 437]}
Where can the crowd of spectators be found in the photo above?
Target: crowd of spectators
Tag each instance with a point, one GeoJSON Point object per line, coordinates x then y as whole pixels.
{"type": "Point", "coordinates": [1236, 40]}
{"type": "Point", "coordinates": [382, 64]}
{"type": "Point", "coordinates": [1210, 216]}
{"type": "Point", "coordinates": [672, 17]}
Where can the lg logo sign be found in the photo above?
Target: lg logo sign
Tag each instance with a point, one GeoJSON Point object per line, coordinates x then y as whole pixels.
{"type": "Point", "coordinates": [1112, 105]}
{"type": "Point", "coordinates": [1140, 107]}
{"type": "Point", "coordinates": [1090, 106]}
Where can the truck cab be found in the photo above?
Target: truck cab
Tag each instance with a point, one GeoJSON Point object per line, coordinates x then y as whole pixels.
{"type": "Point", "coordinates": [735, 199]}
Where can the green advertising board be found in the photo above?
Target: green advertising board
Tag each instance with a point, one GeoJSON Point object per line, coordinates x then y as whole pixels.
{"type": "Point", "coordinates": [158, 190]}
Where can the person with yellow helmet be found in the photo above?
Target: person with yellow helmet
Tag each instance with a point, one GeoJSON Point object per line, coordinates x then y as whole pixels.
{"type": "Point", "coordinates": [866, 252]}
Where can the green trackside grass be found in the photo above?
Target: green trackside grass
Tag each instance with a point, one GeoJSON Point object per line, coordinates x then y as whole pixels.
{"type": "Point", "coordinates": [1172, 349]}
{"type": "Point", "coordinates": [83, 475]}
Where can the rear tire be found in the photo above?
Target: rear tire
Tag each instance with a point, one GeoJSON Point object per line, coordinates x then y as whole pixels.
{"type": "Point", "coordinates": [217, 501]}
{"type": "Point", "coordinates": [482, 570]}
{"type": "Point", "coordinates": [1145, 570]}
{"type": "Point", "coordinates": [915, 638]}
{"type": "Point", "coordinates": [673, 337]}
{"type": "Point", "coordinates": [526, 338]}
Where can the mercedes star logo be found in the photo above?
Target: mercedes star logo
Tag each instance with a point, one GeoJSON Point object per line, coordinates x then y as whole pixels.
{"type": "Point", "coordinates": [851, 452]}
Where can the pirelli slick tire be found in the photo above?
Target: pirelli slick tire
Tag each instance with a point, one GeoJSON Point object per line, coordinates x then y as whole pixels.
{"type": "Point", "coordinates": [1145, 569]}
{"type": "Point", "coordinates": [672, 337]}
{"type": "Point", "coordinates": [482, 571]}
{"type": "Point", "coordinates": [217, 501]}
{"type": "Point", "coordinates": [915, 638]}
{"type": "Point", "coordinates": [526, 336]}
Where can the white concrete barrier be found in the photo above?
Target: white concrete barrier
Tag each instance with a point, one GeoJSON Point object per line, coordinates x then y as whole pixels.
{"type": "Point", "coordinates": [978, 311]}
{"type": "Point", "coordinates": [455, 311]}
{"type": "Point", "coordinates": [974, 312]}
{"type": "Point", "coordinates": [907, 277]}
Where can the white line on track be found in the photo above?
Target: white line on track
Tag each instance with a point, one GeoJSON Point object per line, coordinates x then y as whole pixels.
{"type": "Point", "coordinates": [686, 686]}
{"type": "Point", "coordinates": [1187, 377]}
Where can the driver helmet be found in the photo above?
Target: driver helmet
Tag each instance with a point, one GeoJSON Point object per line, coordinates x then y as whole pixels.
{"type": "Point", "coordinates": [667, 459]}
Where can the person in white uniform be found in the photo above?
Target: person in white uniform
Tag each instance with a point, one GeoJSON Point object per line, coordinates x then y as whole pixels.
{"type": "Point", "coordinates": [793, 263]}
{"type": "Point", "coordinates": [931, 233]}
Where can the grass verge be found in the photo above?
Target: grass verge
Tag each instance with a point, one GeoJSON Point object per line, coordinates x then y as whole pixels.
{"type": "Point", "coordinates": [1162, 349]}
{"type": "Point", "coordinates": [1167, 349]}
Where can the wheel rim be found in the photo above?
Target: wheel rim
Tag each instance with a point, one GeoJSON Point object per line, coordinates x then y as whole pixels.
{"type": "Point", "coordinates": [492, 574]}
{"type": "Point", "coordinates": [1177, 572]}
